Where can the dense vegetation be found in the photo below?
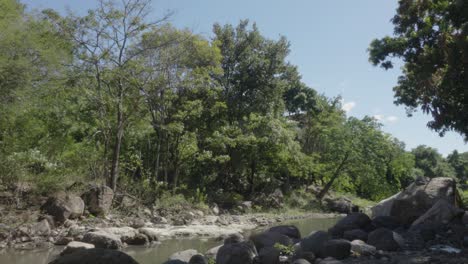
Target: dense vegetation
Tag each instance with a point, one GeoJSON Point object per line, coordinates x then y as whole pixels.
{"type": "Point", "coordinates": [149, 109]}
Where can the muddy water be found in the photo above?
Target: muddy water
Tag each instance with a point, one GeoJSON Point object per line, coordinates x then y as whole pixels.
{"type": "Point", "coordinates": [158, 253]}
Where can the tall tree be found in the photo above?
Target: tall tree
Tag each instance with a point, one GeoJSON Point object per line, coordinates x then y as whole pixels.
{"type": "Point", "coordinates": [105, 58]}
{"type": "Point", "coordinates": [431, 37]}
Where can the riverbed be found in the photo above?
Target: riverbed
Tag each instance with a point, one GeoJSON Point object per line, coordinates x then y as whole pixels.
{"type": "Point", "coordinates": [159, 253]}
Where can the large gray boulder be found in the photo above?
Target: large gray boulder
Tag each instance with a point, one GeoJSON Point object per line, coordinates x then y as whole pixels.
{"type": "Point", "coordinates": [269, 239]}
{"type": "Point", "coordinates": [236, 253]}
{"type": "Point", "coordinates": [385, 239]}
{"type": "Point", "coordinates": [64, 206]}
{"type": "Point", "coordinates": [341, 205]}
{"type": "Point", "coordinates": [350, 222]}
{"type": "Point", "coordinates": [269, 255]}
{"type": "Point", "coordinates": [441, 213]}
{"type": "Point", "coordinates": [417, 198]}
{"type": "Point", "coordinates": [361, 248]}
{"type": "Point", "coordinates": [98, 199]}
{"type": "Point", "coordinates": [314, 241]}
{"type": "Point", "coordinates": [95, 256]}
{"type": "Point", "coordinates": [102, 239]}
{"type": "Point", "coordinates": [287, 230]}
{"type": "Point", "coordinates": [335, 248]}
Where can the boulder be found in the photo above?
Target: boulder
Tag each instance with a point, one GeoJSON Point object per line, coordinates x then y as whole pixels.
{"type": "Point", "coordinates": [350, 222]}
{"type": "Point", "coordinates": [336, 248]}
{"type": "Point", "coordinates": [355, 234]}
{"type": "Point", "coordinates": [98, 199]}
{"type": "Point", "coordinates": [269, 239]}
{"type": "Point", "coordinates": [314, 241]}
{"type": "Point", "coordinates": [234, 238]}
{"type": "Point", "coordinates": [385, 239]}
{"type": "Point", "coordinates": [138, 240]}
{"type": "Point", "coordinates": [287, 230]}
{"type": "Point", "coordinates": [308, 256]}
{"type": "Point", "coordinates": [237, 253]}
{"type": "Point", "coordinates": [150, 233]}
{"type": "Point", "coordinates": [360, 247]}
{"type": "Point", "coordinates": [185, 255]}
{"type": "Point", "coordinates": [41, 228]}
{"type": "Point", "coordinates": [301, 261]}
{"type": "Point", "coordinates": [211, 253]}
{"type": "Point", "coordinates": [329, 260]}
{"type": "Point", "coordinates": [341, 205]}
{"type": "Point", "coordinates": [101, 239]}
{"type": "Point", "coordinates": [198, 259]}
{"type": "Point", "coordinates": [269, 255]}
{"type": "Point", "coordinates": [442, 212]}
{"type": "Point", "coordinates": [386, 221]}
{"type": "Point", "coordinates": [75, 246]}
{"type": "Point", "coordinates": [63, 206]}
{"type": "Point", "coordinates": [417, 198]}
{"type": "Point", "coordinates": [95, 256]}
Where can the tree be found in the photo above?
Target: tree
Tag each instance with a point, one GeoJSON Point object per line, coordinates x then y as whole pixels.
{"type": "Point", "coordinates": [431, 37]}
{"type": "Point", "coordinates": [459, 162]}
{"type": "Point", "coordinates": [431, 162]}
{"type": "Point", "coordinates": [106, 62]}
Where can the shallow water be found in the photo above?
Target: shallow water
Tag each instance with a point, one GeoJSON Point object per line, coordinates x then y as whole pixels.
{"type": "Point", "coordinates": [158, 253]}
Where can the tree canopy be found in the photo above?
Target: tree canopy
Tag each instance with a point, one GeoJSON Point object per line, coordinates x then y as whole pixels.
{"type": "Point", "coordinates": [431, 38]}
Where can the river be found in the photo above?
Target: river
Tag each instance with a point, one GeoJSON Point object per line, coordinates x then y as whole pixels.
{"type": "Point", "coordinates": [158, 253]}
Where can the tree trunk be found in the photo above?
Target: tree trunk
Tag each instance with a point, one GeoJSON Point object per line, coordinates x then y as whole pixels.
{"type": "Point", "coordinates": [116, 151]}
{"type": "Point", "coordinates": [333, 178]}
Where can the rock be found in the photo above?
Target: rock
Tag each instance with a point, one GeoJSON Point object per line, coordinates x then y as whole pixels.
{"type": "Point", "coordinates": [465, 218]}
{"type": "Point", "coordinates": [350, 222]}
{"type": "Point", "coordinates": [95, 256]}
{"type": "Point", "coordinates": [336, 248]}
{"type": "Point", "coordinates": [269, 255]}
{"type": "Point", "coordinates": [215, 209]}
{"type": "Point", "coordinates": [360, 247]}
{"type": "Point", "coordinates": [63, 206]}
{"type": "Point", "coordinates": [269, 239]}
{"type": "Point", "coordinates": [211, 253]}
{"type": "Point", "coordinates": [124, 233]}
{"type": "Point", "coordinates": [185, 255]}
{"type": "Point", "coordinates": [138, 223]}
{"type": "Point", "coordinates": [314, 241]}
{"type": "Point", "coordinates": [198, 259]}
{"type": "Point", "coordinates": [98, 200]}
{"type": "Point", "coordinates": [62, 241]}
{"type": "Point", "coordinates": [442, 212]}
{"type": "Point", "coordinates": [329, 261]}
{"type": "Point", "coordinates": [246, 206]}
{"type": "Point", "coordinates": [301, 261]}
{"type": "Point", "coordinates": [341, 205]}
{"type": "Point", "coordinates": [417, 198]}
{"type": "Point", "coordinates": [138, 240]}
{"type": "Point", "coordinates": [74, 246]}
{"type": "Point", "coordinates": [308, 256]}
{"type": "Point", "coordinates": [386, 221]}
{"type": "Point", "coordinates": [150, 233]}
{"type": "Point", "coordinates": [287, 230]}
{"type": "Point", "coordinates": [234, 238]}
{"type": "Point", "coordinates": [101, 239]}
{"type": "Point", "coordinates": [41, 228]}
{"type": "Point", "coordinates": [385, 239]}
{"type": "Point", "coordinates": [237, 253]}
{"type": "Point", "coordinates": [355, 234]}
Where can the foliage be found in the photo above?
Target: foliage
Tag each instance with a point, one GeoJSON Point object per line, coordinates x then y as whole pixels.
{"type": "Point", "coordinates": [177, 119]}
{"type": "Point", "coordinates": [431, 37]}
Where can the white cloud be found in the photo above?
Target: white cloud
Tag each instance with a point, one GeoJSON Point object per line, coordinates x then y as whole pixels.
{"type": "Point", "coordinates": [386, 119]}
{"type": "Point", "coordinates": [347, 107]}
{"type": "Point", "coordinates": [392, 119]}
{"type": "Point", "coordinates": [378, 117]}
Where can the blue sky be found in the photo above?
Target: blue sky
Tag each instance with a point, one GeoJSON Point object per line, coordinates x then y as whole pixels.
{"type": "Point", "coordinates": [328, 40]}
